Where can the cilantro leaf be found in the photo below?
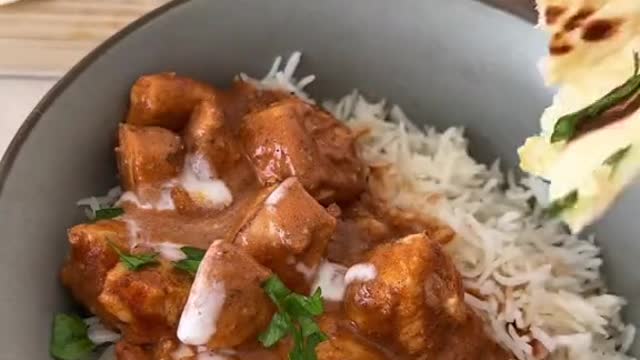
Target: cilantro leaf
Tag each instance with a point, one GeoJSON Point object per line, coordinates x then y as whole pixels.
{"type": "Point", "coordinates": [562, 204]}
{"type": "Point", "coordinates": [108, 213]}
{"type": "Point", "coordinates": [294, 318]}
{"type": "Point", "coordinates": [298, 305]}
{"type": "Point", "coordinates": [308, 326]}
{"type": "Point", "coordinates": [193, 253]}
{"type": "Point", "coordinates": [567, 127]}
{"type": "Point", "coordinates": [278, 329]}
{"type": "Point", "coordinates": [193, 260]}
{"type": "Point", "coordinates": [190, 266]}
{"type": "Point", "coordinates": [312, 342]}
{"type": "Point", "coordinates": [315, 306]}
{"type": "Point", "coordinates": [69, 340]}
{"type": "Point", "coordinates": [276, 289]}
{"type": "Point", "coordinates": [135, 262]}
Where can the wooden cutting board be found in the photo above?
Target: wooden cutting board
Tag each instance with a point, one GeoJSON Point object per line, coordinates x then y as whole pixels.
{"type": "Point", "coordinates": [47, 37]}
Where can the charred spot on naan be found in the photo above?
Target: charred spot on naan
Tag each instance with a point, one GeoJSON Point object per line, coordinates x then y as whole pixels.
{"type": "Point", "coordinates": [601, 29]}
{"type": "Point", "coordinates": [577, 19]}
{"type": "Point", "coordinates": [559, 45]}
{"type": "Point", "coordinates": [553, 13]}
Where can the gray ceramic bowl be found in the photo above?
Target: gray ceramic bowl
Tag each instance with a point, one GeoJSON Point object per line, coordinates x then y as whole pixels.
{"type": "Point", "coordinates": [449, 61]}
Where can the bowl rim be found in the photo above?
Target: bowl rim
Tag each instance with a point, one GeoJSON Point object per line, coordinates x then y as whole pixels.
{"type": "Point", "coordinates": [11, 153]}
{"type": "Point", "coordinates": [14, 147]}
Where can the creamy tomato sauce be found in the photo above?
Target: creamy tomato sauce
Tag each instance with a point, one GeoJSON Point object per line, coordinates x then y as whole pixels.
{"type": "Point", "coordinates": [263, 184]}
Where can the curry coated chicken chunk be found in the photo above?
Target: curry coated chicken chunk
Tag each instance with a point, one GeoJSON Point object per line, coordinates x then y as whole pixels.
{"type": "Point", "coordinates": [166, 100]}
{"type": "Point", "coordinates": [148, 156]}
{"type": "Point", "coordinates": [416, 298]}
{"type": "Point", "coordinates": [208, 135]}
{"type": "Point", "coordinates": [288, 234]}
{"type": "Point", "coordinates": [293, 138]}
{"type": "Point", "coordinates": [226, 304]}
{"type": "Point", "coordinates": [147, 302]}
{"type": "Point", "coordinates": [126, 351]}
{"type": "Point", "coordinates": [90, 259]}
{"type": "Point", "coordinates": [343, 344]}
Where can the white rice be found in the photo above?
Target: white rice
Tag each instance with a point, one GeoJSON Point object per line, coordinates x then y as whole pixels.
{"type": "Point", "coordinates": [98, 333]}
{"type": "Point", "coordinates": [534, 281]}
{"type": "Point", "coordinates": [95, 203]}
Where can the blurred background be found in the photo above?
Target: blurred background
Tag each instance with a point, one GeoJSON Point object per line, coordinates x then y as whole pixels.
{"type": "Point", "coordinates": [40, 40]}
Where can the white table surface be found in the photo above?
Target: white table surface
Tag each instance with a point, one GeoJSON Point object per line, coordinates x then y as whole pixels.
{"type": "Point", "coordinates": [18, 96]}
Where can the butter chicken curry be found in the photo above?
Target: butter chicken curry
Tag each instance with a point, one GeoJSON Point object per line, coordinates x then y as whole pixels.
{"type": "Point", "coordinates": [247, 230]}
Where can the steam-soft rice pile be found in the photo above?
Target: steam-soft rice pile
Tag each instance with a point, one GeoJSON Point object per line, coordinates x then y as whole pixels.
{"type": "Point", "coordinates": [532, 281]}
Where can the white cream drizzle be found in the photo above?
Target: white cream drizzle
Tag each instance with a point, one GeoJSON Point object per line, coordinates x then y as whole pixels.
{"type": "Point", "coordinates": [305, 270]}
{"type": "Point", "coordinates": [169, 251]}
{"type": "Point", "coordinates": [360, 272]}
{"type": "Point", "coordinates": [135, 232]}
{"type": "Point", "coordinates": [198, 179]}
{"type": "Point", "coordinates": [164, 202]}
{"type": "Point", "coordinates": [198, 322]}
{"type": "Point", "coordinates": [330, 278]}
{"type": "Point", "coordinates": [200, 315]}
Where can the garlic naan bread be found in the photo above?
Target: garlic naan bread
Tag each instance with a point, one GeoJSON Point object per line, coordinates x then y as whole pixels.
{"type": "Point", "coordinates": [589, 147]}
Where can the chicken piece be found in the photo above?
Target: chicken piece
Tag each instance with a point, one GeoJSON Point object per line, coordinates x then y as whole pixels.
{"type": "Point", "coordinates": [90, 259]}
{"type": "Point", "coordinates": [148, 156]}
{"type": "Point", "coordinates": [415, 298]}
{"type": "Point", "coordinates": [170, 349]}
{"type": "Point", "coordinates": [244, 98]}
{"type": "Point", "coordinates": [148, 302]}
{"type": "Point", "coordinates": [208, 135]}
{"type": "Point", "coordinates": [355, 237]}
{"type": "Point", "coordinates": [471, 342]}
{"type": "Point", "coordinates": [128, 351]}
{"type": "Point", "coordinates": [343, 344]}
{"type": "Point", "coordinates": [368, 222]}
{"type": "Point", "coordinates": [289, 234]}
{"type": "Point", "coordinates": [166, 100]}
{"type": "Point", "coordinates": [227, 305]}
{"type": "Point", "coordinates": [292, 138]}
{"type": "Point", "coordinates": [165, 349]}
{"type": "Point", "coordinates": [407, 222]}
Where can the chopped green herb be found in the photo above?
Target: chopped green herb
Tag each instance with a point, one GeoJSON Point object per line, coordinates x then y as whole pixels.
{"type": "Point", "coordinates": [567, 126]}
{"type": "Point", "coordinates": [276, 290]}
{"type": "Point", "coordinates": [108, 213]}
{"type": "Point", "coordinates": [279, 328]}
{"type": "Point", "coordinates": [308, 326]}
{"type": "Point", "coordinates": [192, 262]}
{"type": "Point", "coordinates": [69, 340]}
{"type": "Point", "coordinates": [616, 157]}
{"type": "Point", "coordinates": [135, 262]}
{"type": "Point", "coordinates": [193, 253]}
{"type": "Point", "coordinates": [562, 204]}
{"type": "Point", "coordinates": [294, 318]}
{"type": "Point", "coordinates": [190, 266]}
{"type": "Point", "coordinates": [298, 305]}
{"type": "Point", "coordinates": [305, 349]}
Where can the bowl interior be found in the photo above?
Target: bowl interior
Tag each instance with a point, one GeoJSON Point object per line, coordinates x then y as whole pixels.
{"type": "Point", "coordinates": [446, 63]}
